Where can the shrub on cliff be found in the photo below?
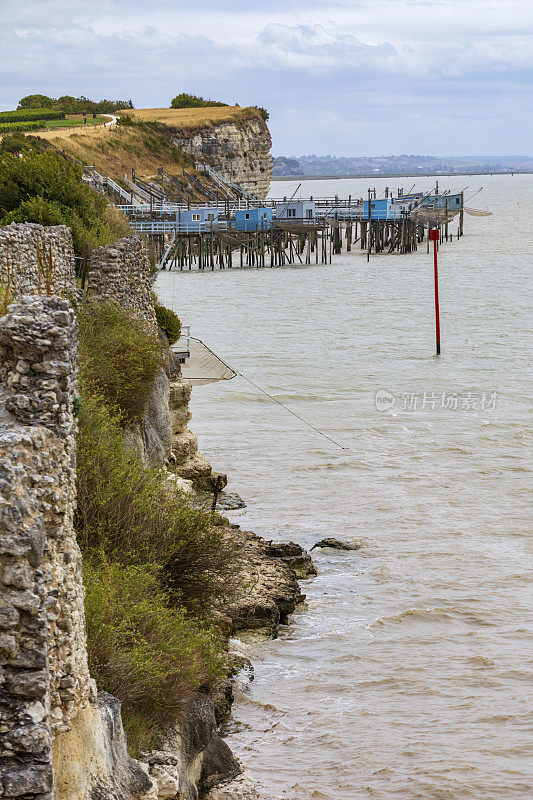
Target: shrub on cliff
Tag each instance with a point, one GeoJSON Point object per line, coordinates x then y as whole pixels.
{"type": "Point", "coordinates": [48, 189]}
{"type": "Point", "coordinates": [169, 322]}
{"type": "Point", "coordinates": [264, 113]}
{"type": "Point", "coordinates": [145, 652]}
{"type": "Point", "coordinates": [119, 358]}
{"type": "Point", "coordinates": [134, 515]}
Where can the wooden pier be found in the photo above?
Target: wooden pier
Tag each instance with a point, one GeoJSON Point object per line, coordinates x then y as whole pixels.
{"type": "Point", "coordinates": [278, 246]}
{"type": "Point", "coordinates": [245, 232]}
{"type": "Point", "coordinates": [292, 243]}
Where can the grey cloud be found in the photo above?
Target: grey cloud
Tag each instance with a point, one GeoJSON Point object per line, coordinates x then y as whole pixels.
{"type": "Point", "coordinates": [320, 67]}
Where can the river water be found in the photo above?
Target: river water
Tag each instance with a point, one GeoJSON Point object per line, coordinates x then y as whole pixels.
{"type": "Point", "coordinates": [408, 674]}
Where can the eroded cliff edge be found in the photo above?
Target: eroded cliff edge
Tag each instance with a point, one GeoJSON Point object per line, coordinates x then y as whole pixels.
{"type": "Point", "coordinates": [238, 148]}
{"type": "Point", "coordinates": [61, 739]}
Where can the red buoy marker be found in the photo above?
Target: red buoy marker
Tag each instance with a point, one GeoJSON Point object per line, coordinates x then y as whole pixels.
{"type": "Point", "coordinates": [434, 237]}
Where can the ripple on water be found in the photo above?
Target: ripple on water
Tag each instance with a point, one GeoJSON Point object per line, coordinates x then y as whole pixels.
{"type": "Point", "coordinates": [406, 677]}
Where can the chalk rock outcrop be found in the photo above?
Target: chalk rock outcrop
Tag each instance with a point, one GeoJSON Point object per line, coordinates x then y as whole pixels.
{"type": "Point", "coordinates": [239, 149]}
{"type": "Point", "coordinates": [186, 459]}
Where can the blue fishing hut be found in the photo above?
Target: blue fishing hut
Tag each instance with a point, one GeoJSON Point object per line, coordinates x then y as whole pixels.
{"type": "Point", "coordinates": [253, 219]}
{"type": "Point", "coordinates": [382, 209]}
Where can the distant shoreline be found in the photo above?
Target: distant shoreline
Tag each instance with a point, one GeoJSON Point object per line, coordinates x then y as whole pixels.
{"type": "Point", "coordinates": [396, 175]}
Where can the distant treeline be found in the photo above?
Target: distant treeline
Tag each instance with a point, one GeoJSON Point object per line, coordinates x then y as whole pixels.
{"type": "Point", "coordinates": [72, 105]}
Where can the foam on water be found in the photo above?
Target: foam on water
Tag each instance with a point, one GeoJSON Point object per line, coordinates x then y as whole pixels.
{"type": "Point", "coordinates": [405, 678]}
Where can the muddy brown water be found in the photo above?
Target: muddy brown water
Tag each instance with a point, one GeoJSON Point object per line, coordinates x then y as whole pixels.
{"type": "Point", "coordinates": [408, 675]}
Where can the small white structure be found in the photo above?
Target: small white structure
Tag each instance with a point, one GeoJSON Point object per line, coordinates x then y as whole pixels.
{"type": "Point", "coordinates": [296, 209]}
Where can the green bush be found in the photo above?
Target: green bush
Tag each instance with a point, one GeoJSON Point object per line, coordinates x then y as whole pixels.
{"type": "Point", "coordinates": [264, 113]}
{"type": "Point", "coordinates": [47, 188]}
{"type": "Point", "coordinates": [184, 100]}
{"type": "Point", "coordinates": [148, 654]}
{"type": "Point", "coordinates": [17, 143]}
{"type": "Point", "coordinates": [119, 358]}
{"type": "Point", "coordinates": [134, 515]}
{"type": "Point", "coordinates": [169, 322]}
{"type": "Point", "coordinates": [125, 119]}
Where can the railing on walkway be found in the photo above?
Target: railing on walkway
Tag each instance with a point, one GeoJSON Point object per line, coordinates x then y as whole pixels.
{"type": "Point", "coordinates": [221, 180]}
{"type": "Point", "coordinates": [182, 348]}
{"type": "Point", "coordinates": [376, 215]}
{"type": "Point", "coordinates": [171, 226]}
{"type": "Point", "coordinates": [108, 183]}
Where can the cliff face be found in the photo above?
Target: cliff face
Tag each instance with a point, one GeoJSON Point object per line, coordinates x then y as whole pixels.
{"type": "Point", "coordinates": [239, 149]}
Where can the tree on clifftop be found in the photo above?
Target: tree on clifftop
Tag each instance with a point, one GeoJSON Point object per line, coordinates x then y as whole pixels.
{"type": "Point", "coordinates": [184, 100]}
{"type": "Point", "coordinates": [36, 101]}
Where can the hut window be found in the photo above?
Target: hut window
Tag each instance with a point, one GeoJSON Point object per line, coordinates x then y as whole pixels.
{"type": "Point", "coordinates": [246, 216]}
{"type": "Point", "coordinates": [291, 212]}
{"type": "Point", "coordinates": [195, 217]}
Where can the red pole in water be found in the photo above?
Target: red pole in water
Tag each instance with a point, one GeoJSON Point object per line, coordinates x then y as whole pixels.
{"type": "Point", "coordinates": [434, 237]}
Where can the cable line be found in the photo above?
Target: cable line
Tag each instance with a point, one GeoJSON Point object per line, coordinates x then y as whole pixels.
{"type": "Point", "coordinates": [305, 422]}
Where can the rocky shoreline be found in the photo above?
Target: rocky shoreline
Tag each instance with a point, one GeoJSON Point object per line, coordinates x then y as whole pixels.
{"type": "Point", "coordinates": [195, 762]}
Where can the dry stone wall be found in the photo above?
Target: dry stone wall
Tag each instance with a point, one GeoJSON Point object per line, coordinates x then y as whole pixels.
{"type": "Point", "coordinates": [122, 272]}
{"type": "Point", "coordinates": [42, 632]}
{"type": "Point", "coordinates": [239, 149]}
{"type": "Point", "coordinates": [35, 259]}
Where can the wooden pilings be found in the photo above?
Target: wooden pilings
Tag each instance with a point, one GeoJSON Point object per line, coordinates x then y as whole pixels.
{"type": "Point", "coordinates": [284, 246]}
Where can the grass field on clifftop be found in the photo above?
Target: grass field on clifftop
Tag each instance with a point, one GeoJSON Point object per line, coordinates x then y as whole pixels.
{"type": "Point", "coordinates": [192, 117]}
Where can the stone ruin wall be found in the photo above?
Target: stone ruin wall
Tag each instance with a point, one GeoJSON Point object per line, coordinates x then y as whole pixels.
{"type": "Point", "coordinates": [122, 272]}
{"type": "Point", "coordinates": [42, 626]}
{"type": "Point", "coordinates": [43, 658]}
{"type": "Point", "coordinates": [35, 259]}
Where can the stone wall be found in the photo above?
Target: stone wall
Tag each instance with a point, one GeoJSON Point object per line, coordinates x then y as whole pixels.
{"type": "Point", "coordinates": [36, 260]}
{"type": "Point", "coordinates": [239, 149]}
{"type": "Point", "coordinates": [122, 272]}
{"type": "Point", "coordinates": [42, 629]}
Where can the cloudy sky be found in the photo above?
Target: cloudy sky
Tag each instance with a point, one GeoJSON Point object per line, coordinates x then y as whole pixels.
{"type": "Point", "coordinates": [346, 77]}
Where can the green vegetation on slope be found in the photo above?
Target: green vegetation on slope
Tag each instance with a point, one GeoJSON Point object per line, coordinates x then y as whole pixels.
{"type": "Point", "coordinates": [47, 188]}
{"type": "Point", "coordinates": [144, 147]}
{"type": "Point", "coordinates": [156, 568]}
{"type": "Point", "coordinates": [142, 650]}
{"type": "Point", "coordinates": [119, 358]}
